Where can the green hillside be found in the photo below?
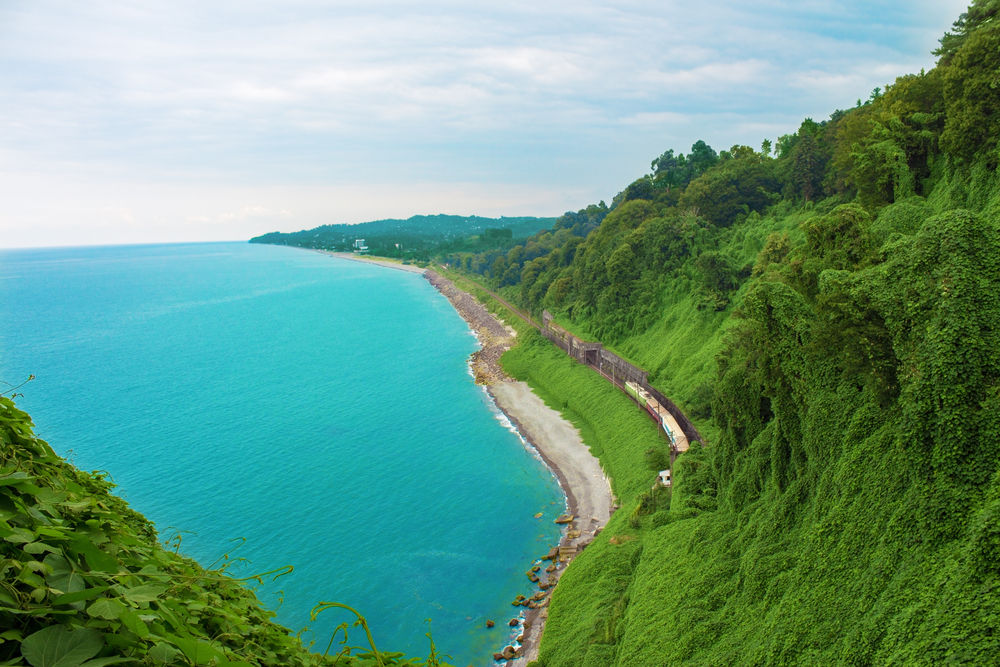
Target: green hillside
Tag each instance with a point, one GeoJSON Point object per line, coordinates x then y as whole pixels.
{"type": "Point", "coordinates": [826, 309]}
{"type": "Point", "coordinates": [416, 237]}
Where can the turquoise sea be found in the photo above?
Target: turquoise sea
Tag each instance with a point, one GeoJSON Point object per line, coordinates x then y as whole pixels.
{"type": "Point", "coordinates": [320, 409]}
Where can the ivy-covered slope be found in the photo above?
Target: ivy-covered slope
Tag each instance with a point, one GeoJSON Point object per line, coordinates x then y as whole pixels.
{"type": "Point", "coordinates": [830, 316]}
{"type": "Point", "coordinates": [856, 474]}
{"type": "Point", "coordinates": [846, 510]}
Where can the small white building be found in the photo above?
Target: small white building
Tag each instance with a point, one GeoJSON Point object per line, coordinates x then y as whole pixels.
{"type": "Point", "coordinates": [664, 477]}
{"type": "Point", "coordinates": [359, 245]}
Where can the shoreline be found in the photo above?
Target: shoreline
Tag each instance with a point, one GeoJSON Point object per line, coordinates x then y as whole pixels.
{"type": "Point", "coordinates": [387, 263]}
{"type": "Point", "coordinates": [557, 442]}
{"type": "Point", "coordinates": [589, 499]}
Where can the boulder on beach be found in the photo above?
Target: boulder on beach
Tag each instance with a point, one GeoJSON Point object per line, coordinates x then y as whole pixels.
{"type": "Point", "coordinates": [564, 518]}
{"type": "Point", "coordinates": [513, 623]}
{"type": "Point", "coordinates": [509, 652]}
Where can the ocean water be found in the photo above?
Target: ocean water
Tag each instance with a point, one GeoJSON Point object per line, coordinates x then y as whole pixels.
{"type": "Point", "coordinates": [319, 409]}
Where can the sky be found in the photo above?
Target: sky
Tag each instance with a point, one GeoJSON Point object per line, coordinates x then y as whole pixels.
{"type": "Point", "coordinates": [141, 121]}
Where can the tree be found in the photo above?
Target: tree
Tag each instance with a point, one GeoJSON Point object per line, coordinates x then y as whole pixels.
{"type": "Point", "coordinates": [808, 163]}
{"type": "Point", "coordinates": [701, 158]}
{"type": "Point", "coordinates": [980, 12]}
{"type": "Point", "coordinates": [972, 95]}
{"type": "Point", "coordinates": [731, 189]}
{"type": "Point", "coordinates": [639, 189]}
{"type": "Point", "coordinates": [673, 172]}
{"type": "Point", "coordinates": [881, 170]}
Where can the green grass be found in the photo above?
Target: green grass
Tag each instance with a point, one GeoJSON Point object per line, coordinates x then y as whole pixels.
{"type": "Point", "coordinates": [617, 431]}
{"type": "Point", "coordinates": [832, 520]}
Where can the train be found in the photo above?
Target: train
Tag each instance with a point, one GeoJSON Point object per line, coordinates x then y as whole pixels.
{"type": "Point", "coordinates": [653, 407]}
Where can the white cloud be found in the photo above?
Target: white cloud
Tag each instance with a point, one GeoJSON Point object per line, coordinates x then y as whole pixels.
{"type": "Point", "coordinates": [711, 76]}
{"type": "Point", "coordinates": [246, 213]}
{"type": "Point", "coordinates": [557, 97]}
{"type": "Point", "coordinates": [657, 118]}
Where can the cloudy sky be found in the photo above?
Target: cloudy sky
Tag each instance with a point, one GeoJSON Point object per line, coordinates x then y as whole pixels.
{"type": "Point", "coordinates": [125, 121]}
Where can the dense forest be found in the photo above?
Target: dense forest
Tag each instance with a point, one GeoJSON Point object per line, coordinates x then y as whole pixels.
{"type": "Point", "coordinates": [417, 237]}
{"type": "Point", "coordinates": [826, 307]}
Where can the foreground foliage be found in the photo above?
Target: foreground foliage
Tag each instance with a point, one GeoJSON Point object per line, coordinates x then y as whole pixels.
{"type": "Point", "coordinates": [83, 580]}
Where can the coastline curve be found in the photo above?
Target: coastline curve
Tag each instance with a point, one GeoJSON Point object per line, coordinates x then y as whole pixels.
{"type": "Point", "coordinates": [589, 499]}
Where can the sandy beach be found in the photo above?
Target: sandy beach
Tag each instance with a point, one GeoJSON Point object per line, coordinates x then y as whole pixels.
{"type": "Point", "coordinates": [387, 263]}
{"type": "Point", "coordinates": [589, 498]}
{"type": "Point", "coordinates": [588, 493]}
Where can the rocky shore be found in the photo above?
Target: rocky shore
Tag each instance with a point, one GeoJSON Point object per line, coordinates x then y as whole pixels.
{"type": "Point", "coordinates": [495, 338]}
{"type": "Point", "coordinates": [589, 498]}
{"type": "Point", "coordinates": [588, 493]}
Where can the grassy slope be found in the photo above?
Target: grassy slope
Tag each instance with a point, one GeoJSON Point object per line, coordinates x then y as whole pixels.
{"type": "Point", "coordinates": [832, 568]}
{"type": "Point", "coordinates": [590, 598]}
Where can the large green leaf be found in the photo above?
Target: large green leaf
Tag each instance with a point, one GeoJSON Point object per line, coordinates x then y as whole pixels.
{"type": "Point", "coordinates": [131, 620]}
{"type": "Point", "coordinates": [60, 646]}
{"type": "Point", "coordinates": [48, 496]}
{"type": "Point", "coordinates": [64, 576]}
{"type": "Point", "coordinates": [106, 608]}
{"type": "Point", "coordinates": [103, 662]}
{"type": "Point", "coordinates": [199, 651]}
{"type": "Point", "coordinates": [78, 596]}
{"type": "Point", "coordinates": [163, 653]}
{"type": "Point", "coordinates": [97, 560]}
{"type": "Point", "coordinates": [37, 548]}
{"type": "Point", "coordinates": [15, 478]}
{"type": "Point", "coordinates": [20, 536]}
{"type": "Point", "coordinates": [145, 593]}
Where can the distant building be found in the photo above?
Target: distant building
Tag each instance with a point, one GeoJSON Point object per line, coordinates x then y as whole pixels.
{"type": "Point", "coordinates": [359, 245]}
{"type": "Point", "coordinates": [664, 477]}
